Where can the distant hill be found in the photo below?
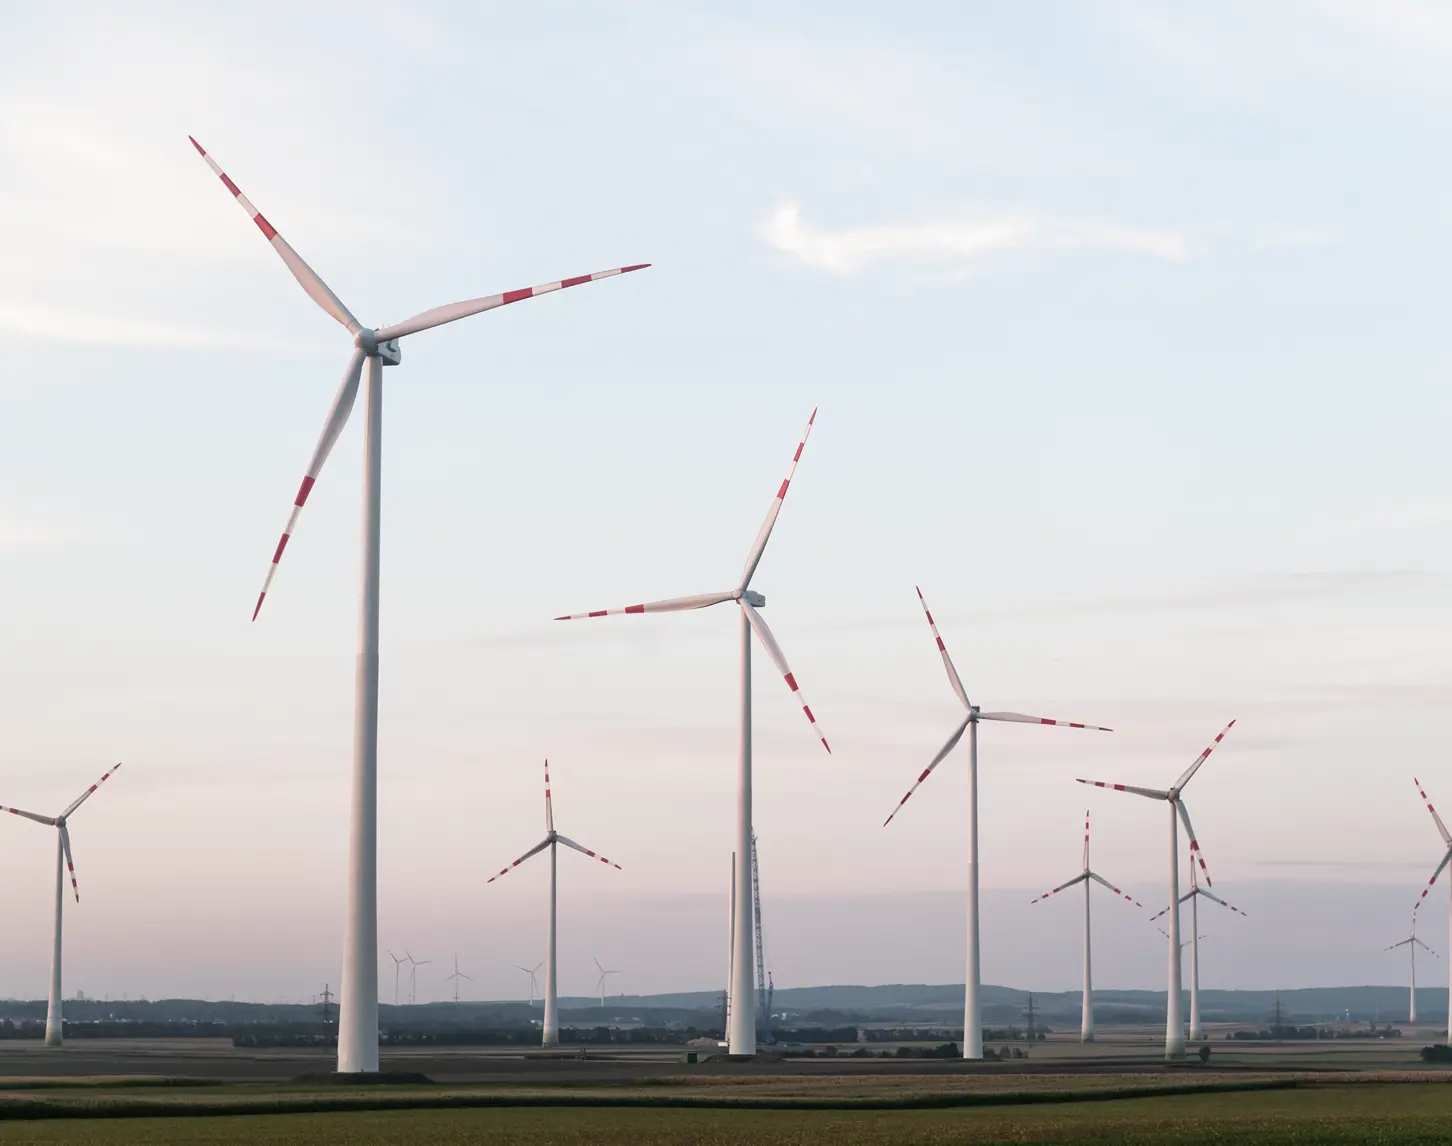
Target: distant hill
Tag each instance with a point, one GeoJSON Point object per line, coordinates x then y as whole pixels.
{"type": "Point", "coordinates": [827, 1006]}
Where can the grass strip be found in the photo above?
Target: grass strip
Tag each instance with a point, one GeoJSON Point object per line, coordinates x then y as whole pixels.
{"type": "Point", "coordinates": [24, 1110]}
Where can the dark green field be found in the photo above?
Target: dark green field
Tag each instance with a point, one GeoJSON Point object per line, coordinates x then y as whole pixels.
{"type": "Point", "coordinates": [1367, 1112]}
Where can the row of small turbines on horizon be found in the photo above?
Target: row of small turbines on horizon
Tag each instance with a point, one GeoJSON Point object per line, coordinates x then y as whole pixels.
{"type": "Point", "coordinates": [458, 976]}
{"type": "Point", "coordinates": [358, 1043]}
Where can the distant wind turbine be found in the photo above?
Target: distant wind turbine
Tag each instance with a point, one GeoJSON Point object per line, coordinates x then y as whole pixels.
{"type": "Point", "coordinates": [1193, 897]}
{"type": "Point", "coordinates": [1447, 843]}
{"type": "Point", "coordinates": [533, 982]}
{"type": "Point", "coordinates": [1174, 1019]}
{"type": "Point", "coordinates": [54, 1023]}
{"type": "Point", "coordinates": [1411, 943]}
{"type": "Point", "coordinates": [358, 1005]}
{"type": "Point", "coordinates": [551, 1027]}
{"type": "Point", "coordinates": [1086, 1024]}
{"type": "Point", "coordinates": [397, 963]}
{"type": "Point", "coordinates": [413, 976]}
{"type": "Point", "coordinates": [604, 974]}
{"type": "Point", "coordinates": [972, 990]}
{"type": "Point", "coordinates": [455, 977]}
{"type": "Point", "coordinates": [742, 1021]}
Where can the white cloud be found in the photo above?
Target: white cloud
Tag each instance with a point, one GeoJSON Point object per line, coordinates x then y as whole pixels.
{"type": "Point", "coordinates": [851, 250]}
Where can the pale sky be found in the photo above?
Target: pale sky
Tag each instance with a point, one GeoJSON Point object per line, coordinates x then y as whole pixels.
{"type": "Point", "coordinates": [1125, 323]}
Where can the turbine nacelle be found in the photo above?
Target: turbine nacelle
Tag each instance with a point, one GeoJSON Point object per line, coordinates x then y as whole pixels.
{"type": "Point", "coordinates": [751, 597]}
{"type": "Point", "coordinates": [388, 350]}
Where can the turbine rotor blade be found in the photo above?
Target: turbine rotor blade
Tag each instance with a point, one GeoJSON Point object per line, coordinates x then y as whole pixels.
{"type": "Point", "coordinates": [569, 843]}
{"type": "Point", "coordinates": [943, 651]}
{"type": "Point", "coordinates": [1086, 839]}
{"type": "Point", "coordinates": [86, 795]}
{"type": "Point", "coordinates": [1099, 879]}
{"type": "Point", "coordinates": [1080, 878]}
{"type": "Point", "coordinates": [1441, 827]}
{"type": "Point", "coordinates": [1440, 867]}
{"type": "Point", "coordinates": [773, 650]}
{"type": "Point", "coordinates": [342, 407]}
{"type": "Point", "coordinates": [48, 821]}
{"type": "Point", "coordinates": [670, 605]}
{"type": "Point", "coordinates": [317, 290]}
{"type": "Point", "coordinates": [539, 847]}
{"type": "Point", "coordinates": [1221, 902]}
{"type": "Point", "coordinates": [1020, 718]}
{"type": "Point", "coordinates": [1195, 767]}
{"type": "Point", "coordinates": [549, 807]}
{"type": "Point", "coordinates": [758, 547]}
{"type": "Point", "coordinates": [1151, 793]}
{"type": "Point", "coordinates": [439, 315]}
{"type": "Point", "coordinates": [1195, 854]}
{"type": "Point", "coordinates": [70, 863]}
{"type": "Point", "coordinates": [952, 743]}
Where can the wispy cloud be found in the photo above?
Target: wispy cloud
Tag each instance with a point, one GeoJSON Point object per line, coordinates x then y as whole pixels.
{"type": "Point", "coordinates": [854, 249]}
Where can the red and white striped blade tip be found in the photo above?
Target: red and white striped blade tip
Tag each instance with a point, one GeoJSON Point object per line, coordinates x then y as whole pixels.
{"type": "Point", "coordinates": [1022, 718]}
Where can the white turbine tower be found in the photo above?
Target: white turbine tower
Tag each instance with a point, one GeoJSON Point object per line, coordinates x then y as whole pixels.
{"type": "Point", "coordinates": [1174, 1017]}
{"type": "Point", "coordinates": [1086, 1025]}
{"type": "Point", "coordinates": [972, 1005]}
{"type": "Point", "coordinates": [551, 1034]}
{"type": "Point", "coordinates": [1447, 843]}
{"type": "Point", "coordinates": [1411, 943]}
{"type": "Point", "coordinates": [532, 972]}
{"type": "Point", "coordinates": [358, 1002]}
{"type": "Point", "coordinates": [741, 1023]}
{"type": "Point", "coordinates": [1193, 898]}
{"type": "Point", "coordinates": [54, 1023]}
{"type": "Point", "coordinates": [605, 973]}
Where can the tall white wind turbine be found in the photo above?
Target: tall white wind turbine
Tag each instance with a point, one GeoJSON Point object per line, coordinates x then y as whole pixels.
{"type": "Point", "coordinates": [972, 1005]}
{"type": "Point", "coordinates": [1174, 1016]}
{"type": "Point", "coordinates": [358, 1002]}
{"type": "Point", "coordinates": [551, 1031]}
{"type": "Point", "coordinates": [1447, 843]}
{"type": "Point", "coordinates": [1086, 1024]}
{"type": "Point", "coordinates": [54, 1024]}
{"type": "Point", "coordinates": [1193, 898]}
{"type": "Point", "coordinates": [741, 1022]}
{"type": "Point", "coordinates": [1411, 943]}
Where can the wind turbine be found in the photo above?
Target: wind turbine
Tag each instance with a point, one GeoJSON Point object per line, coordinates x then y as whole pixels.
{"type": "Point", "coordinates": [741, 1034]}
{"type": "Point", "coordinates": [1174, 1022]}
{"type": "Point", "coordinates": [455, 977]}
{"type": "Point", "coordinates": [600, 984]}
{"type": "Point", "coordinates": [397, 962]}
{"type": "Point", "coordinates": [1447, 843]}
{"type": "Point", "coordinates": [1411, 943]}
{"type": "Point", "coordinates": [413, 977]}
{"type": "Point", "coordinates": [1193, 898]}
{"type": "Point", "coordinates": [551, 1028]}
{"type": "Point", "coordinates": [533, 982]}
{"type": "Point", "coordinates": [1086, 1026]}
{"type": "Point", "coordinates": [54, 1023]}
{"type": "Point", "coordinates": [358, 1004]}
{"type": "Point", "coordinates": [972, 1003]}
